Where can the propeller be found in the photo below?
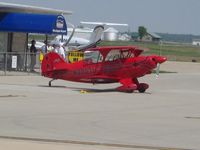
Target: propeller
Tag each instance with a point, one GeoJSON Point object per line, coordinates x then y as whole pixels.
{"type": "Point", "coordinates": [158, 60]}
{"type": "Point", "coordinates": [157, 70]}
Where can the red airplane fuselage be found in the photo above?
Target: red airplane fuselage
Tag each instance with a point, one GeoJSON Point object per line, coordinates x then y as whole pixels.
{"type": "Point", "coordinates": [125, 68]}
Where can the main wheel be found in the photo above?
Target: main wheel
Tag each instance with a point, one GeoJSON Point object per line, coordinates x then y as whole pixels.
{"type": "Point", "coordinates": [142, 90]}
{"type": "Point", "coordinates": [142, 87]}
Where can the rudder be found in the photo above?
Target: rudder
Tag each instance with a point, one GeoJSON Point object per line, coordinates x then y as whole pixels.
{"type": "Point", "coordinates": [49, 62]}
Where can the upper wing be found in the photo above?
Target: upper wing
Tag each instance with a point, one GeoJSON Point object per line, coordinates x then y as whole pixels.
{"type": "Point", "coordinates": [104, 50]}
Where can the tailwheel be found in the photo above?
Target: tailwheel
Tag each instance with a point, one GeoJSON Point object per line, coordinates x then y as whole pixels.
{"type": "Point", "coordinates": [142, 87]}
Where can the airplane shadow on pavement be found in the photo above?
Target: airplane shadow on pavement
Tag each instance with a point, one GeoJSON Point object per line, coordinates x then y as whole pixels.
{"type": "Point", "coordinates": [90, 90]}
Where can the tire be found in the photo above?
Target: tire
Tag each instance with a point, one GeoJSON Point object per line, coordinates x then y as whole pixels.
{"type": "Point", "coordinates": [142, 90]}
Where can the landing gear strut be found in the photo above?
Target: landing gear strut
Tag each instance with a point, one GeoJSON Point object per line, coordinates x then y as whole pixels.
{"type": "Point", "coordinates": [141, 87]}
{"type": "Point", "coordinates": [50, 82]}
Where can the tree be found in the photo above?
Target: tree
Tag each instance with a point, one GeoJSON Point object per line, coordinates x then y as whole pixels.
{"type": "Point", "coordinates": [142, 31]}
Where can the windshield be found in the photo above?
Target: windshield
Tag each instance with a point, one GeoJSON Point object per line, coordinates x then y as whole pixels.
{"type": "Point", "coordinates": [93, 56]}
{"type": "Point", "coordinates": [116, 54]}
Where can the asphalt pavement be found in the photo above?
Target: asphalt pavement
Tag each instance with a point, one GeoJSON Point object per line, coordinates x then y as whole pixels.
{"type": "Point", "coordinates": [86, 116]}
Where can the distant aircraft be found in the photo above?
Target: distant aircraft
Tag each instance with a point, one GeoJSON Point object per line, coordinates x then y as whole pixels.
{"type": "Point", "coordinates": [77, 40]}
{"type": "Point", "coordinates": [73, 41]}
{"type": "Point", "coordinates": [104, 23]}
{"type": "Point", "coordinates": [122, 64]}
{"type": "Point", "coordinates": [79, 36]}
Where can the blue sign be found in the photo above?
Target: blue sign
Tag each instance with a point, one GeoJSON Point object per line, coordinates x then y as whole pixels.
{"type": "Point", "coordinates": [60, 25]}
{"type": "Point", "coordinates": [32, 23]}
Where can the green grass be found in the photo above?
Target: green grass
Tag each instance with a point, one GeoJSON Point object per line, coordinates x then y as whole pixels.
{"type": "Point", "coordinates": [171, 51]}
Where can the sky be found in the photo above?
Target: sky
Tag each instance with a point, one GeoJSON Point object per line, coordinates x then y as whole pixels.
{"type": "Point", "coordinates": [165, 16]}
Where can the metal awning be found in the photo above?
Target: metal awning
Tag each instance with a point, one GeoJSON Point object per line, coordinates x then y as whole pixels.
{"type": "Point", "coordinates": [19, 8]}
{"type": "Point", "coordinates": [33, 23]}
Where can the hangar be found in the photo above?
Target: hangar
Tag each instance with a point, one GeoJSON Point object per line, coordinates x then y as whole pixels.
{"type": "Point", "coordinates": [16, 22]}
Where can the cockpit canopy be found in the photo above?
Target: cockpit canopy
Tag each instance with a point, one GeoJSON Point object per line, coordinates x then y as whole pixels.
{"type": "Point", "coordinates": [104, 54]}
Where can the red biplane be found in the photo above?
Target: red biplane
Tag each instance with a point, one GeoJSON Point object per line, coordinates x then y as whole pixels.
{"type": "Point", "coordinates": [110, 64]}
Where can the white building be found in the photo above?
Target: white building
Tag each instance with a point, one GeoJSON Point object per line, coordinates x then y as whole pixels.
{"type": "Point", "coordinates": [124, 37]}
{"type": "Point", "coordinates": [196, 42]}
{"type": "Point", "coordinates": [111, 34]}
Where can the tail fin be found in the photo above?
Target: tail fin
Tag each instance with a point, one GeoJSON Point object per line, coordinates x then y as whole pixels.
{"type": "Point", "coordinates": [96, 34]}
{"type": "Point", "coordinates": [52, 62]}
{"type": "Point", "coordinates": [94, 38]}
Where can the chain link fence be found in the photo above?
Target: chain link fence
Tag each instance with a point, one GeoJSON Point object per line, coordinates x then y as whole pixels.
{"type": "Point", "coordinates": [19, 63]}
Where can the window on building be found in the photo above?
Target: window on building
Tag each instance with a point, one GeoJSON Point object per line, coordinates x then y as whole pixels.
{"type": "Point", "coordinates": [3, 41]}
